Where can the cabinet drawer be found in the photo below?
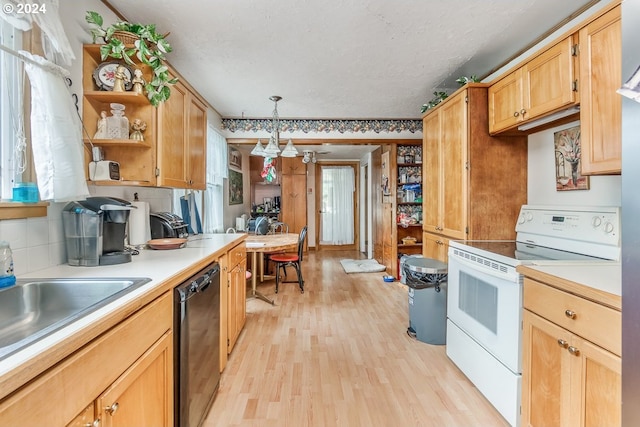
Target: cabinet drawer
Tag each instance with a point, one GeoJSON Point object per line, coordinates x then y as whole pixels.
{"type": "Point", "coordinates": [237, 255]}
{"type": "Point", "coordinates": [592, 321]}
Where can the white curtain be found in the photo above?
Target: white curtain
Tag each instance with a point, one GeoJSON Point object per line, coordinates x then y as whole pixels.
{"type": "Point", "coordinates": [217, 172]}
{"type": "Point", "coordinates": [56, 136]}
{"type": "Point", "coordinates": [54, 40]}
{"type": "Point", "coordinates": [338, 185]}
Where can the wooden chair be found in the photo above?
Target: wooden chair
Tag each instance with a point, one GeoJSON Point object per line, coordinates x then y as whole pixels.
{"type": "Point", "coordinates": [291, 259]}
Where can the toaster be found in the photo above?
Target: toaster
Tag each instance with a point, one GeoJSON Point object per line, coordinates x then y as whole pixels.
{"type": "Point", "coordinates": [165, 225]}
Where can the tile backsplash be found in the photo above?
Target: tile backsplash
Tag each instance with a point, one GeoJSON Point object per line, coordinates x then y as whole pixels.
{"type": "Point", "coordinates": [38, 243]}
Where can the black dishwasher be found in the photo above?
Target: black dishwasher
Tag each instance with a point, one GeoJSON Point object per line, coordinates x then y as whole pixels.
{"type": "Point", "coordinates": [196, 346]}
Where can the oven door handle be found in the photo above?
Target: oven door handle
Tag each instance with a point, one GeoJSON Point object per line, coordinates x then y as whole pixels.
{"type": "Point", "coordinates": [482, 268]}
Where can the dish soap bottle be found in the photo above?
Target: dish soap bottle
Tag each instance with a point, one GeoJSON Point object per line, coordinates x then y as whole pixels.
{"type": "Point", "coordinates": [7, 278]}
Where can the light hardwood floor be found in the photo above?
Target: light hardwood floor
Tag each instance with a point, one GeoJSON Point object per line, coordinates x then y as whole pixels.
{"type": "Point", "coordinates": [339, 355]}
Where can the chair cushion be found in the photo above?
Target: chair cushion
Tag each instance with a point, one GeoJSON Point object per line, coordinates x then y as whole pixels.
{"type": "Point", "coordinates": [284, 257]}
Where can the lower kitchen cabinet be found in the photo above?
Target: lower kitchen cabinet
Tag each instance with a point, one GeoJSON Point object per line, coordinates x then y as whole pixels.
{"type": "Point", "coordinates": [233, 295]}
{"type": "Point", "coordinates": [122, 378]}
{"type": "Point", "coordinates": [571, 374]}
{"type": "Point", "coordinates": [146, 381]}
{"type": "Point", "coordinates": [237, 296]}
{"type": "Point", "coordinates": [435, 246]}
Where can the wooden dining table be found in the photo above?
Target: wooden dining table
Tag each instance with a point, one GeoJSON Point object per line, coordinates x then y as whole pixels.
{"type": "Point", "coordinates": [267, 243]}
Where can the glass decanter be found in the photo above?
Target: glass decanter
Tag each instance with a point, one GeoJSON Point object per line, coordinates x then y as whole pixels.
{"type": "Point", "coordinates": [117, 124]}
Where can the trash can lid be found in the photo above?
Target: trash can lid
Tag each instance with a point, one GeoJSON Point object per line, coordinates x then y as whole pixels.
{"type": "Point", "coordinates": [426, 266]}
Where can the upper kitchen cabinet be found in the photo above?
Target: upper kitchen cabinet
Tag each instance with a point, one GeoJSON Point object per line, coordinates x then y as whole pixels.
{"type": "Point", "coordinates": [173, 151]}
{"type": "Point", "coordinates": [293, 166]}
{"type": "Point", "coordinates": [136, 158]}
{"type": "Point", "coordinates": [182, 140]}
{"type": "Point", "coordinates": [541, 86]}
{"type": "Point", "coordinates": [473, 183]}
{"type": "Point", "coordinates": [600, 106]}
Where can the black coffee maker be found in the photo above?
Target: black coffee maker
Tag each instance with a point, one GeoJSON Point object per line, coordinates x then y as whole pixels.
{"type": "Point", "coordinates": [114, 227]}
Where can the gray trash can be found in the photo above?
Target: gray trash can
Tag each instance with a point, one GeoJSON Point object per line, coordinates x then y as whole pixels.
{"type": "Point", "coordinates": [426, 279]}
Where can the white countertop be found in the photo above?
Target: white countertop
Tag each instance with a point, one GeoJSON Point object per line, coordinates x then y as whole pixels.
{"type": "Point", "coordinates": [604, 276]}
{"type": "Point", "coordinates": [158, 265]}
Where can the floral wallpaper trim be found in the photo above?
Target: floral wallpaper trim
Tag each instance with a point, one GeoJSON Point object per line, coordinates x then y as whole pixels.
{"type": "Point", "coordinates": [319, 125]}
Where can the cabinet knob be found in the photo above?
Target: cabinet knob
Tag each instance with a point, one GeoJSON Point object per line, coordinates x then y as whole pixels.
{"type": "Point", "coordinates": [573, 350]}
{"type": "Point", "coordinates": [516, 114]}
{"type": "Point", "coordinates": [95, 423]}
{"type": "Point", "coordinates": [112, 409]}
{"type": "Point", "coordinates": [570, 314]}
{"type": "Point", "coordinates": [562, 343]}
{"type": "Point", "coordinates": [523, 111]}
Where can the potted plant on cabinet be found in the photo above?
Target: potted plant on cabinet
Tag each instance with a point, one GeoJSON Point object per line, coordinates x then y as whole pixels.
{"type": "Point", "coordinates": [123, 40]}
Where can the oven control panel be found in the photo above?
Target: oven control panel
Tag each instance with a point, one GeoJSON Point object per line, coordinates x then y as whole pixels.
{"type": "Point", "coordinates": [572, 228]}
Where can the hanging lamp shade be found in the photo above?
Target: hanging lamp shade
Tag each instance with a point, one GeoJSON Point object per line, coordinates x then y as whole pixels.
{"type": "Point", "coordinates": [289, 150]}
{"type": "Point", "coordinates": [272, 150]}
{"type": "Point", "coordinates": [258, 150]}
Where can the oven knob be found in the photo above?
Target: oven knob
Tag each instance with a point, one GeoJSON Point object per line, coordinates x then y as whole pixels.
{"type": "Point", "coordinates": [529, 216]}
{"type": "Point", "coordinates": [596, 221]}
{"type": "Point", "coordinates": [521, 219]}
{"type": "Point", "coordinates": [608, 227]}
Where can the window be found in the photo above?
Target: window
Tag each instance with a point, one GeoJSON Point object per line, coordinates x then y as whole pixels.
{"type": "Point", "coordinates": [216, 173]}
{"type": "Point", "coordinates": [211, 204]}
{"type": "Point", "coordinates": [12, 161]}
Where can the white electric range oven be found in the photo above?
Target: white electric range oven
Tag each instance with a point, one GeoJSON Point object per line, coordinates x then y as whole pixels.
{"type": "Point", "coordinates": [484, 301]}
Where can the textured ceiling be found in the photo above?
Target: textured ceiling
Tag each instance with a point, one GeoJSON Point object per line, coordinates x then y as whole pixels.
{"type": "Point", "coordinates": [349, 59]}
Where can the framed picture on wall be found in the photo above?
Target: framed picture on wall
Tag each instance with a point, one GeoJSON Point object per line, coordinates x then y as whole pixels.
{"type": "Point", "coordinates": [235, 187]}
{"type": "Point", "coordinates": [567, 150]}
{"type": "Point", "coordinates": [235, 158]}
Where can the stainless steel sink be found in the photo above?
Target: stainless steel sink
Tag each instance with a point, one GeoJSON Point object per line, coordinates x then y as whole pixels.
{"type": "Point", "coordinates": [35, 308]}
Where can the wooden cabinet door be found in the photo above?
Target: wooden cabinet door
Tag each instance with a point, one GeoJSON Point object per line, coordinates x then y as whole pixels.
{"type": "Point", "coordinates": [431, 167]}
{"type": "Point", "coordinates": [236, 303]}
{"type": "Point", "coordinates": [143, 395]}
{"type": "Point", "coordinates": [548, 80]}
{"type": "Point", "coordinates": [86, 418]}
{"type": "Point", "coordinates": [172, 159]}
{"type": "Point", "coordinates": [197, 144]}
{"type": "Point", "coordinates": [546, 373]}
{"type": "Point", "coordinates": [596, 376]}
{"type": "Point", "coordinates": [294, 202]}
{"type": "Point", "coordinates": [506, 102]}
{"type": "Point", "coordinates": [435, 246]}
{"type": "Point", "coordinates": [567, 380]}
{"type": "Point", "coordinates": [453, 148]}
{"type": "Point", "coordinates": [600, 105]}
{"type": "Point", "coordinates": [293, 166]}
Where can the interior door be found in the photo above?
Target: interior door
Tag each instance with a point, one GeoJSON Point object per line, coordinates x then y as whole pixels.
{"type": "Point", "coordinates": [337, 208]}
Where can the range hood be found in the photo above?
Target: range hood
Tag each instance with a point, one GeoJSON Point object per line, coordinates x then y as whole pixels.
{"type": "Point", "coordinates": [550, 118]}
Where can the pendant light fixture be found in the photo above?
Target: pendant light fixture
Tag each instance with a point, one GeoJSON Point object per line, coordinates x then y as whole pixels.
{"type": "Point", "coordinates": [289, 150]}
{"type": "Point", "coordinates": [272, 149]}
{"type": "Point", "coordinates": [258, 150]}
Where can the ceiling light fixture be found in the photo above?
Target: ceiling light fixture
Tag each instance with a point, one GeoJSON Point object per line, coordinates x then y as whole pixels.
{"type": "Point", "coordinates": [258, 150]}
{"type": "Point", "coordinates": [309, 156]}
{"type": "Point", "coordinates": [289, 150]}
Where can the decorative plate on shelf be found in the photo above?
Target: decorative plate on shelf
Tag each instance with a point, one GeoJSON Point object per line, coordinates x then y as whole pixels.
{"type": "Point", "coordinates": [104, 75]}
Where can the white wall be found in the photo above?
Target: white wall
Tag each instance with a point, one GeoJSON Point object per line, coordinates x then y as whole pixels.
{"type": "Point", "coordinates": [603, 190]}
